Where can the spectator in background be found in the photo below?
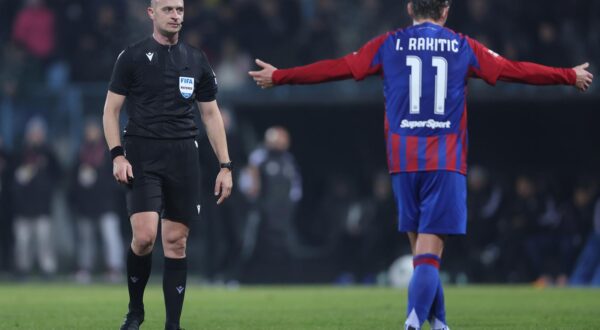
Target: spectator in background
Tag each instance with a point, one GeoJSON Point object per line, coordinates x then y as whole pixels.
{"type": "Point", "coordinates": [6, 238]}
{"type": "Point", "coordinates": [34, 29]}
{"type": "Point", "coordinates": [91, 197]}
{"type": "Point", "coordinates": [35, 177]}
{"type": "Point", "coordinates": [587, 268]}
{"type": "Point", "coordinates": [275, 187]}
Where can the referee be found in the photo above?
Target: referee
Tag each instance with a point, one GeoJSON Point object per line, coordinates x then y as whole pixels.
{"type": "Point", "coordinates": [160, 78]}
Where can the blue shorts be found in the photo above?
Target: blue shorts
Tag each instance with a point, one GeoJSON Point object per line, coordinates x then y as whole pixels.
{"type": "Point", "coordinates": [431, 202]}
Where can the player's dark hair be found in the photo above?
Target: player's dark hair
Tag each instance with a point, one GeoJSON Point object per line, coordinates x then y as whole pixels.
{"type": "Point", "coordinates": [429, 8]}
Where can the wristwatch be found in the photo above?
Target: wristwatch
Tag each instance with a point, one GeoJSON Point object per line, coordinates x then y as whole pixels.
{"type": "Point", "coordinates": [228, 166]}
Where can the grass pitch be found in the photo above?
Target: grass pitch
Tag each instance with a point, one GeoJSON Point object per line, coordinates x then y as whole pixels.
{"type": "Point", "coordinates": [63, 306]}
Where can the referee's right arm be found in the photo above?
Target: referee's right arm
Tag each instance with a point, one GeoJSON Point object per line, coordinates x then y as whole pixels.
{"type": "Point", "coordinates": [112, 108]}
{"type": "Point", "coordinates": [118, 89]}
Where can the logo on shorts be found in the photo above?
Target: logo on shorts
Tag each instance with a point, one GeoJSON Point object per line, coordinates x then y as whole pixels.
{"type": "Point", "coordinates": [198, 208]}
{"type": "Point", "coordinates": [186, 86]}
{"type": "Point", "coordinates": [180, 289]}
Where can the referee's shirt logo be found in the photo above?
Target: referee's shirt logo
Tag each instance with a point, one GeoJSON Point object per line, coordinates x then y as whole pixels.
{"type": "Point", "coordinates": [186, 86]}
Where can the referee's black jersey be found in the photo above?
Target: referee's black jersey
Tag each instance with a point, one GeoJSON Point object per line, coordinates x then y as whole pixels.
{"type": "Point", "coordinates": [161, 84]}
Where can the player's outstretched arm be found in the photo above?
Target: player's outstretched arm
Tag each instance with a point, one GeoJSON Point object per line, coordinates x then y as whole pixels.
{"type": "Point", "coordinates": [314, 73]}
{"type": "Point", "coordinates": [357, 65]}
{"type": "Point", "coordinates": [537, 74]}
{"type": "Point", "coordinates": [492, 67]}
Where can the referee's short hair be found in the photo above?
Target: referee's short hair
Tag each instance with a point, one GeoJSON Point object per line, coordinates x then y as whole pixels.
{"type": "Point", "coordinates": [429, 8]}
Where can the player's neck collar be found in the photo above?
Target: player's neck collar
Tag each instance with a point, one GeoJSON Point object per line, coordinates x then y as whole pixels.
{"type": "Point", "coordinates": [426, 21]}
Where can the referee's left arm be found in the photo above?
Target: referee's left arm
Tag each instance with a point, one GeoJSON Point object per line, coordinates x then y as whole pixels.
{"type": "Point", "coordinates": [213, 122]}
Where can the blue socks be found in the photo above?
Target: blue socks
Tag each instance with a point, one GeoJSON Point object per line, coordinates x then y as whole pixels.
{"type": "Point", "coordinates": [425, 294]}
{"type": "Point", "coordinates": [437, 315]}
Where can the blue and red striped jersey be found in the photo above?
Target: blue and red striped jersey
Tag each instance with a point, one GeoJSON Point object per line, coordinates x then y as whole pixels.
{"type": "Point", "coordinates": [425, 69]}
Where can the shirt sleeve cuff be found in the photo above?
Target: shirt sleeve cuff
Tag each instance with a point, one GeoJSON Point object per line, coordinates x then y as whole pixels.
{"type": "Point", "coordinates": [117, 90]}
{"type": "Point", "coordinates": [206, 98]}
{"type": "Point", "coordinates": [571, 76]}
{"type": "Point", "coordinates": [278, 76]}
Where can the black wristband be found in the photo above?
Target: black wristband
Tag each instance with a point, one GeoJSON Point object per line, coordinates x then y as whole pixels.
{"type": "Point", "coordinates": [228, 165]}
{"type": "Point", "coordinates": [116, 152]}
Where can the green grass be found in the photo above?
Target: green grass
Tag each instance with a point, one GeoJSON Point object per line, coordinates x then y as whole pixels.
{"type": "Point", "coordinates": [40, 306]}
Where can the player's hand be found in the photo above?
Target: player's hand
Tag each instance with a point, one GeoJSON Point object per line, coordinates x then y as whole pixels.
{"type": "Point", "coordinates": [264, 77]}
{"type": "Point", "coordinates": [223, 185]}
{"type": "Point", "coordinates": [584, 77]}
{"type": "Point", "coordinates": [122, 170]}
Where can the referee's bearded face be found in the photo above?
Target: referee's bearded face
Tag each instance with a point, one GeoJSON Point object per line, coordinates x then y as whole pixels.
{"type": "Point", "coordinates": [167, 15]}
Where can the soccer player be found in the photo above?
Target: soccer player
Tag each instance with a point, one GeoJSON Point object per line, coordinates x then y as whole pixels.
{"type": "Point", "coordinates": [161, 79]}
{"type": "Point", "coordinates": [424, 69]}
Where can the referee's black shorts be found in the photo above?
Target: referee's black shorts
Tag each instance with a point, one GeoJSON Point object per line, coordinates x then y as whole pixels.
{"type": "Point", "coordinates": [166, 178]}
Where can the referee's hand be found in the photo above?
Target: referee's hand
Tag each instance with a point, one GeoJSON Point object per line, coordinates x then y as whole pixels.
{"type": "Point", "coordinates": [223, 185]}
{"type": "Point", "coordinates": [122, 170]}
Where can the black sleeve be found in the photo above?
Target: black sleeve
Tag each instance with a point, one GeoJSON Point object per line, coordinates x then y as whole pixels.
{"type": "Point", "coordinates": [120, 81]}
{"type": "Point", "coordinates": [207, 86]}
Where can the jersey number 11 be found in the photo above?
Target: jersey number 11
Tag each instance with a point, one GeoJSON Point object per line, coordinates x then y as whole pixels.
{"type": "Point", "coordinates": [441, 83]}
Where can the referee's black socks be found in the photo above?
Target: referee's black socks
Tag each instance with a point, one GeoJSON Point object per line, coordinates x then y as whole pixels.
{"type": "Point", "coordinates": [138, 272]}
{"type": "Point", "coordinates": [174, 280]}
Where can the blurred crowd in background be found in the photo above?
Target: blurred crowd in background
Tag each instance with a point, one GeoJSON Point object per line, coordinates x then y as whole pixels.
{"type": "Point", "coordinates": [61, 210]}
{"type": "Point", "coordinates": [55, 40]}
